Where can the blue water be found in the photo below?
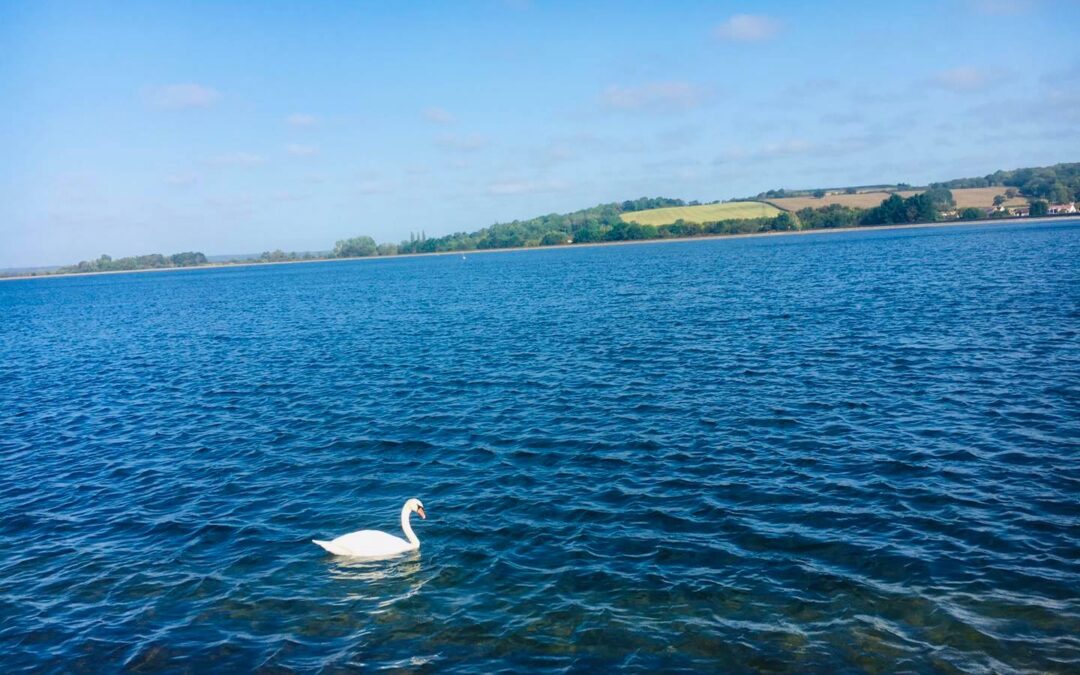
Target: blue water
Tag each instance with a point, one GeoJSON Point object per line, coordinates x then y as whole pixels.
{"type": "Point", "coordinates": [835, 452]}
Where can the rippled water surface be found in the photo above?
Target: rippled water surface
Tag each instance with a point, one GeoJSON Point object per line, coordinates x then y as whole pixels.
{"type": "Point", "coordinates": [837, 452]}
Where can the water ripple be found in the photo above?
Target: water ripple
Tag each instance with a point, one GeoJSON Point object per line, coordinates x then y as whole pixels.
{"type": "Point", "coordinates": [854, 452]}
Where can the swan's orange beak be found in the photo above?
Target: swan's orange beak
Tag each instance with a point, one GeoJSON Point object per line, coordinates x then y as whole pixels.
{"type": "Point", "coordinates": [420, 512]}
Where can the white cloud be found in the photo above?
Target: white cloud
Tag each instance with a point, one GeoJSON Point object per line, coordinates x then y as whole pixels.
{"type": "Point", "coordinates": [438, 115]}
{"type": "Point", "coordinates": [179, 96]}
{"type": "Point", "coordinates": [962, 79]}
{"type": "Point", "coordinates": [524, 187]}
{"type": "Point", "coordinates": [462, 142]}
{"type": "Point", "coordinates": [301, 120]}
{"type": "Point", "coordinates": [748, 28]}
{"type": "Point", "coordinates": [301, 150]}
{"type": "Point", "coordinates": [238, 159]}
{"type": "Point", "coordinates": [654, 96]}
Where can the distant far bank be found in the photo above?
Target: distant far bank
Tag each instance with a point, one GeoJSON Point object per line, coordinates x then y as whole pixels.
{"type": "Point", "coordinates": [519, 249]}
{"type": "Point", "coordinates": [1004, 195]}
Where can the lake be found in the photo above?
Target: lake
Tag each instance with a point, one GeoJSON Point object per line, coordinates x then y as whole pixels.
{"type": "Point", "coordinates": [852, 451]}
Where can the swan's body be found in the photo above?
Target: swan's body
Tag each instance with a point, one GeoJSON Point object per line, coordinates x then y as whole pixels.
{"type": "Point", "coordinates": [376, 544]}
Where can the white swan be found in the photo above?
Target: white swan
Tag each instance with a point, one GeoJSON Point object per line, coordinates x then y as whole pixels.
{"type": "Point", "coordinates": [376, 544]}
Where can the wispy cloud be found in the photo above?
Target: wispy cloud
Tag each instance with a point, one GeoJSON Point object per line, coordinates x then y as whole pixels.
{"type": "Point", "coordinates": [811, 87]}
{"type": "Point", "coordinates": [1055, 110]}
{"type": "Point", "coordinates": [523, 187]}
{"type": "Point", "coordinates": [182, 179]}
{"type": "Point", "coordinates": [232, 205]}
{"type": "Point", "coordinates": [437, 115]}
{"type": "Point", "coordinates": [237, 159]}
{"type": "Point", "coordinates": [301, 120]}
{"type": "Point", "coordinates": [843, 118]}
{"type": "Point", "coordinates": [800, 147]}
{"type": "Point", "coordinates": [962, 79]}
{"type": "Point", "coordinates": [289, 196]}
{"type": "Point", "coordinates": [555, 152]}
{"type": "Point", "coordinates": [1069, 74]}
{"type": "Point", "coordinates": [748, 28]}
{"type": "Point", "coordinates": [372, 186]}
{"type": "Point", "coordinates": [679, 137]}
{"type": "Point", "coordinates": [1002, 7]}
{"type": "Point", "coordinates": [301, 150]}
{"type": "Point", "coordinates": [462, 142]}
{"type": "Point", "coordinates": [776, 150]}
{"type": "Point", "coordinates": [653, 96]}
{"type": "Point", "coordinates": [180, 96]}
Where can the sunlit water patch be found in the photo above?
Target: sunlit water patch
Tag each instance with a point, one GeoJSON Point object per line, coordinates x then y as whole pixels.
{"type": "Point", "coordinates": [850, 451]}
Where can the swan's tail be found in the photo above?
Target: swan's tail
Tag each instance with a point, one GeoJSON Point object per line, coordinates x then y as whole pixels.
{"type": "Point", "coordinates": [329, 546]}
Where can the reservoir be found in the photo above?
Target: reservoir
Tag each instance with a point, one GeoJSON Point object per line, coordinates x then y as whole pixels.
{"type": "Point", "coordinates": [847, 451]}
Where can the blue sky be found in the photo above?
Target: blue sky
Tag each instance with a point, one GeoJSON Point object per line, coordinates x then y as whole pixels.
{"type": "Point", "coordinates": [136, 127]}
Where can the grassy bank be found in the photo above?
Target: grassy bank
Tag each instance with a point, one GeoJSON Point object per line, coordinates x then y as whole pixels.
{"type": "Point", "coordinates": [465, 254]}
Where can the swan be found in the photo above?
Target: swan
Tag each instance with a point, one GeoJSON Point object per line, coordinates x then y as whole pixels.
{"type": "Point", "coordinates": [376, 544]}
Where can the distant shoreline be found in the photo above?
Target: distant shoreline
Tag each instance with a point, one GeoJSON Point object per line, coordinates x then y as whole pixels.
{"type": "Point", "coordinates": [672, 240]}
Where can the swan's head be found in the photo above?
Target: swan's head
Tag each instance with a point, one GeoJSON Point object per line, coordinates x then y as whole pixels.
{"type": "Point", "coordinates": [416, 506]}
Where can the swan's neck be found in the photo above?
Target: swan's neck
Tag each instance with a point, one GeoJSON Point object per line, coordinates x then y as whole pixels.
{"type": "Point", "coordinates": [409, 534]}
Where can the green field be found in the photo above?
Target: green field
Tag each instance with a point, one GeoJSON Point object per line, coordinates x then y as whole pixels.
{"type": "Point", "coordinates": [706, 213]}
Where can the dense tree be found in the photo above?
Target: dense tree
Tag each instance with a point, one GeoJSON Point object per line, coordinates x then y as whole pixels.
{"type": "Point", "coordinates": [971, 213]}
{"type": "Point", "coordinates": [833, 215]}
{"type": "Point", "coordinates": [106, 263]}
{"type": "Point", "coordinates": [646, 203]}
{"type": "Point", "coordinates": [357, 247]}
{"type": "Point", "coordinates": [1060, 181]}
{"type": "Point", "coordinates": [1060, 194]}
{"type": "Point", "coordinates": [554, 238]}
{"type": "Point", "coordinates": [786, 221]}
{"type": "Point", "coordinates": [924, 207]}
{"type": "Point", "coordinates": [1039, 208]}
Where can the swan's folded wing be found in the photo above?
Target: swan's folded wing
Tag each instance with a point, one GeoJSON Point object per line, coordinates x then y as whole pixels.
{"type": "Point", "coordinates": [366, 543]}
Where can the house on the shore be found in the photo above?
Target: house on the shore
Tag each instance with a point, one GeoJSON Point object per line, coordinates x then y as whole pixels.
{"type": "Point", "coordinates": [1070, 207]}
{"type": "Point", "coordinates": [1006, 212]}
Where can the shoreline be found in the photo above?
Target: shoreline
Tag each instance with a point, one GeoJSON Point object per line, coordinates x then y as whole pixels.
{"type": "Point", "coordinates": [672, 240]}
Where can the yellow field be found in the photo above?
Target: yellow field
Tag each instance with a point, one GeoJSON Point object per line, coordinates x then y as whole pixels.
{"type": "Point", "coordinates": [976, 197]}
{"type": "Point", "coordinates": [983, 197]}
{"type": "Point", "coordinates": [706, 213]}
{"type": "Point", "coordinates": [861, 200]}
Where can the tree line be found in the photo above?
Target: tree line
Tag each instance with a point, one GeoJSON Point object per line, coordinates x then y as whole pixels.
{"type": "Point", "coordinates": [602, 223]}
{"type": "Point", "coordinates": [107, 263]}
{"type": "Point", "coordinates": [1056, 184]}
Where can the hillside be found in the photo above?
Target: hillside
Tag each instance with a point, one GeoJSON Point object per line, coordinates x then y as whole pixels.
{"type": "Point", "coordinates": [980, 198]}
{"type": "Point", "coordinates": [705, 213]}
{"type": "Point", "coordinates": [1049, 190]}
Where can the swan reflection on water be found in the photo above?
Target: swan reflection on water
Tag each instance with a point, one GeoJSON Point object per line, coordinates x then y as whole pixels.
{"type": "Point", "coordinates": [383, 582]}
